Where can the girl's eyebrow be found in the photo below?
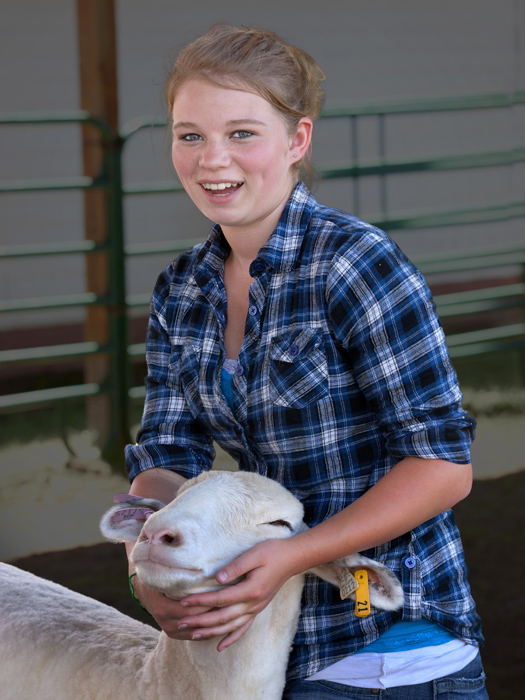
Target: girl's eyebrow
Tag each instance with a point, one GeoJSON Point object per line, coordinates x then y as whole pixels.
{"type": "Point", "coordinates": [184, 125]}
{"type": "Point", "coordinates": [232, 122]}
{"type": "Point", "coordinates": [237, 122]}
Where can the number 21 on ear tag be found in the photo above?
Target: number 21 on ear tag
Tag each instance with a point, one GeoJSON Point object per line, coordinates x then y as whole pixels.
{"type": "Point", "coordinates": [362, 598]}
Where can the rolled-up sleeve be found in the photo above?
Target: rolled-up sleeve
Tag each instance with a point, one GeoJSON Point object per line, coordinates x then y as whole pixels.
{"type": "Point", "coordinates": [384, 316]}
{"type": "Point", "coordinates": [169, 437]}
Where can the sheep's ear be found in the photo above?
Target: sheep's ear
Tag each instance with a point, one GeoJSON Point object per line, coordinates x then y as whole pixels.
{"type": "Point", "coordinates": [123, 522]}
{"type": "Point", "coordinates": [386, 592]}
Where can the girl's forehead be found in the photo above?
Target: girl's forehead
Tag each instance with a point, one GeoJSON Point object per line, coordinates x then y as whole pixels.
{"type": "Point", "coordinates": [196, 94]}
{"type": "Point", "coordinates": [225, 82]}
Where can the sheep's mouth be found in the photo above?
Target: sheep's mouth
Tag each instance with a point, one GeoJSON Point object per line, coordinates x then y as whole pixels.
{"type": "Point", "coordinates": [176, 569]}
{"type": "Point", "coordinates": [152, 561]}
{"type": "Point", "coordinates": [169, 567]}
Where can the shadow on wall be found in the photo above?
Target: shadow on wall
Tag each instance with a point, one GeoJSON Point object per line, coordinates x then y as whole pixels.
{"type": "Point", "coordinates": [51, 500]}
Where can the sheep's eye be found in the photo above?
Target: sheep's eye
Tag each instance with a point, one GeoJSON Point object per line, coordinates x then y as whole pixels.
{"type": "Point", "coordinates": [281, 523]}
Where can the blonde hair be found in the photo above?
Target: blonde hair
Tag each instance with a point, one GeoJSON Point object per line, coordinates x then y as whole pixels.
{"type": "Point", "coordinates": [259, 61]}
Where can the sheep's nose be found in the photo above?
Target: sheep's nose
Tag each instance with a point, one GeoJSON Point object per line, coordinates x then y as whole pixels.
{"type": "Point", "coordinates": [167, 537]}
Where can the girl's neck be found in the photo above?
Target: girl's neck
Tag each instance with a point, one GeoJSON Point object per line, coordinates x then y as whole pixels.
{"type": "Point", "coordinates": [245, 245]}
{"type": "Point", "coordinates": [242, 252]}
{"type": "Point", "coordinates": [246, 242]}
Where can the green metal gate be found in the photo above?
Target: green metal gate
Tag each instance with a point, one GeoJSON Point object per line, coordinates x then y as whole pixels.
{"type": "Point", "coordinates": [119, 301]}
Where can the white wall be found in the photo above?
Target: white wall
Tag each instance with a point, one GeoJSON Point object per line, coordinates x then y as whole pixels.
{"type": "Point", "coordinates": [369, 50]}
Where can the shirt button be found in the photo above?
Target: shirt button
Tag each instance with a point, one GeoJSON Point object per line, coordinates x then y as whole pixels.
{"type": "Point", "coordinates": [252, 310]}
{"type": "Point", "coordinates": [410, 562]}
{"type": "Point", "coordinates": [258, 266]}
{"type": "Point", "coordinates": [293, 350]}
{"type": "Point", "coordinates": [239, 370]}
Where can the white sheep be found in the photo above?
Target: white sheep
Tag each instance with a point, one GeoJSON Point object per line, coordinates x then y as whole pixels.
{"type": "Point", "coordinates": [59, 645]}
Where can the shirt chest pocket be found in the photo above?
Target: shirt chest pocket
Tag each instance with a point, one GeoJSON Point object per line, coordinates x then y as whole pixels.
{"type": "Point", "coordinates": [298, 370]}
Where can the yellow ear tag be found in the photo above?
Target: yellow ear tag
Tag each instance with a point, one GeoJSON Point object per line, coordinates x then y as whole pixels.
{"type": "Point", "coordinates": [362, 598]}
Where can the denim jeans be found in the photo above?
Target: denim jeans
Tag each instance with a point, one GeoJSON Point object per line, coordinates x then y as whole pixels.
{"type": "Point", "coordinates": [467, 684]}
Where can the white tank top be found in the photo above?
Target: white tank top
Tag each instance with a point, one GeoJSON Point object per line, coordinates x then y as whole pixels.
{"type": "Point", "coordinates": [396, 668]}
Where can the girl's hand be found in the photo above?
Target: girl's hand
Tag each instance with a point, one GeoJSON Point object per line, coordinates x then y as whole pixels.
{"type": "Point", "coordinates": [167, 612]}
{"type": "Point", "coordinates": [232, 610]}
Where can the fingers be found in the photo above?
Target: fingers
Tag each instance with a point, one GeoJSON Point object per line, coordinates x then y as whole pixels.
{"type": "Point", "coordinates": [194, 622]}
{"type": "Point", "coordinates": [230, 611]}
{"type": "Point", "coordinates": [228, 618]}
{"type": "Point", "coordinates": [245, 563]}
{"type": "Point", "coordinates": [162, 604]}
{"type": "Point", "coordinates": [169, 617]}
{"type": "Point", "coordinates": [234, 625]}
{"type": "Point", "coordinates": [216, 619]}
{"type": "Point", "coordinates": [234, 636]}
{"type": "Point", "coordinates": [248, 592]}
{"type": "Point", "coordinates": [167, 612]}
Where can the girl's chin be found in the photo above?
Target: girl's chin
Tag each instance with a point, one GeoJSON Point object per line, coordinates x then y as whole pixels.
{"type": "Point", "coordinates": [218, 211]}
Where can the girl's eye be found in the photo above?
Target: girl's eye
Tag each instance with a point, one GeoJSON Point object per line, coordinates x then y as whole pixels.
{"type": "Point", "coordinates": [241, 134]}
{"type": "Point", "coordinates": [190, 137]}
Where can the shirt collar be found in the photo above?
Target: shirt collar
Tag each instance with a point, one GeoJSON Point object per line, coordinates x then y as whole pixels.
{"type": "Point", "coordinates": [281, 252]}
{"type": "Point", "coordinates": [282, 249]}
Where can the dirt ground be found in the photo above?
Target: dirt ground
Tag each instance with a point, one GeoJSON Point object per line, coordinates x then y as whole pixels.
{"type": "Point", "coordinates": [492, 526]}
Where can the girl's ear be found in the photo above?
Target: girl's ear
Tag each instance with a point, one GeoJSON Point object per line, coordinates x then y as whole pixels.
{"type": "Point", "coordinates": [386, 592]}
{"type": "Point", "coordinates": [300, 142]}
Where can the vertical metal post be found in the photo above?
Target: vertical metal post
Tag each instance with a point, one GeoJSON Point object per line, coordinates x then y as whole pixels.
{"type": "Point", "coordinates": [119, 376]}
{"type": "Point", "coordinates": [103, 218]}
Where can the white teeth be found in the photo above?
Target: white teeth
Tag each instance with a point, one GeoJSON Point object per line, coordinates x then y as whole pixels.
{"type": "Point", "coordinates": [219, 185]}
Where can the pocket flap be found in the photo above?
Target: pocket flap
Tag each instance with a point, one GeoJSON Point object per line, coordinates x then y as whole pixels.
{"type": "Point", "coordinates": [293, 344]}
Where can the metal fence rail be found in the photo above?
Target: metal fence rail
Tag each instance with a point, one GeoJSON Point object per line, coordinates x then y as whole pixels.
{"type": "Point", "coordinates": [469, 303]}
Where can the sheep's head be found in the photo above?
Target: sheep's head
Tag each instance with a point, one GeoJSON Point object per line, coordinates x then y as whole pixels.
{"type": "Point", "coordinates": [216, 516]}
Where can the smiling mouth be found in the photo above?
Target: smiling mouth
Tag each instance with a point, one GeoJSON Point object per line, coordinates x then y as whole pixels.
{"type": "Point", "coordinates": [221, 189]}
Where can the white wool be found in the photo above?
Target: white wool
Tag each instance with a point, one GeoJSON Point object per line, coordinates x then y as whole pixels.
{"type": "Point", "coordinates": [58, 645]}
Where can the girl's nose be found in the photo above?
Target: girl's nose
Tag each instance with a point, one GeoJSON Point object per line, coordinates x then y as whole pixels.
{"type": "Point", "coordinates": [214, 155]}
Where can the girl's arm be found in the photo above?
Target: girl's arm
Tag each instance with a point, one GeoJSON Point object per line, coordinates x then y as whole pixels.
{"type": "Point", "coordinates": [161, 484]}
{"type": "Point", "coordinates": [414, 491]}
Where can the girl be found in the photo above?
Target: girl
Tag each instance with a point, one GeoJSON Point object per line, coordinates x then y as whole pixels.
{"type": "Point", "coordinates": [304, 342]}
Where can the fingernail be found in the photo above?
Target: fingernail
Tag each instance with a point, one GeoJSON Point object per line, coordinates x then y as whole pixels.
{"type": "Point", "coordinates": [184, 605]}
{"type": "Point", "coordinates": [222, 576]}
{"type": "Point", "coordinates": [196, 636]}
{"type": "Point", "coordinates": [182, 626]}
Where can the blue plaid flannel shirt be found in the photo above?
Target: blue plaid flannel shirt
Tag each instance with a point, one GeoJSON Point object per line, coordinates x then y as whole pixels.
{"type": "Point", "coordinates": [343, 372]}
